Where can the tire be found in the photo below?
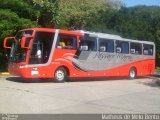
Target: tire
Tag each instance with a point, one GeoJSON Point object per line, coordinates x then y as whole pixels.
{"type": "Point", "coordinates": [132, 73]}
{"type": "Point", "coordinates": [60, 75]}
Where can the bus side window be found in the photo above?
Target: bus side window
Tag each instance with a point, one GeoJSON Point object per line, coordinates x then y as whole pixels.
{"type": "Point", "coordinates": [88, 45]}
{"type": "Point", "coordinates": [147, 49]}
{"type": "Point", "coordinates": [135, 48]}
{"type": "Point", "coordinates": [106, 45]}
{"type": "Point", "coordinates": [66, 42]}
{"type": "Point", "coordinates": [122, 47]}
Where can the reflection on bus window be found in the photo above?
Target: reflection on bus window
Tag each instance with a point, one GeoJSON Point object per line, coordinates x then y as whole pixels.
{"type": "Point", "coordinates": [21, 34]}
{"type": "Point", "coordinates": [122, 47]}
{"type": "Point", "coordinates": [147, 49]}
{"type": "Point", "coordinates": [88, 45]}
{"type": "Point", "coordinates": [67, 42]}
{"type": "Point", "coordinates": [106, 45]}
{"type": "Point", "coordinates": [136, 48]}
{"type": "Point", "coordinates": [41, 48]}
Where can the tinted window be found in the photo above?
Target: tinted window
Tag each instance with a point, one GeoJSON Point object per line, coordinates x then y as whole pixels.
{"type": "Point", "coordinates": [147, 49]}
{"type": "Point", "coordinates": [136, 48]}
{"type": "Point", "coordinates": [88, 44]}
{"type": "Point", "coordinates": [122, 47]}
{"type": "Point", "coordinates": [106, 45]}
{"type": "Point", "coordinates": [21, 34]}
{"type": "Point", "coordinates": [41, 48]}
{"type": "Point", "coordinates": [66, 42]}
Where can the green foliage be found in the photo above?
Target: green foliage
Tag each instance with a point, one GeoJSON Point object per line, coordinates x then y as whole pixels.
{"type": "Point", "coordinates": [108, 16]}
{"type": "Point", "coordinates": [78, 15]}
{"type": "Point", "coordinates": [72, 14]}
{"type": "Point", "coordinates": [10, 23]}
{"type": "Point", "coordinates": [141, 23]}
{"type": "Point", "coordinates": [14, 15]}
{"type": "Point", "coordinates": [23, 8]}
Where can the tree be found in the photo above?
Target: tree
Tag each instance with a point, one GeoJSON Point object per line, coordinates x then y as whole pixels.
{"type": "Point", "coordinates": [14, 15]}
{"type": "Point", "coordinates": [71, 14]}
{"type": "Point", "coordinates": [23, 8]}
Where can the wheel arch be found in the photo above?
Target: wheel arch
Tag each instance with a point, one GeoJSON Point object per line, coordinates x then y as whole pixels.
{"type": "Point", "coordinates": [131, 74]}
{"type": "Point", "coordinates": [65, 67]}
{"type": "Point", "coordinates": [133, 67]}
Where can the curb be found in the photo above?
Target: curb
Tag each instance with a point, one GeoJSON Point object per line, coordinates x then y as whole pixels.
{"type": "Point", "coordinates": [4, 73]}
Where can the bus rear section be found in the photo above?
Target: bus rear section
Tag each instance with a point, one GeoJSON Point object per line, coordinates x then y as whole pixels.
{"type": "Point", "coordinates": [103, 55]}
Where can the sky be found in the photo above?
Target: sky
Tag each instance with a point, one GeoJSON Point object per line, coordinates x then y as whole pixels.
{"type": "Point", "coordinates": [130, 3]}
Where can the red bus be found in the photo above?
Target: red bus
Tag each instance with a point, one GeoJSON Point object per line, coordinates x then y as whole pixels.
{"type": "Point", "coordinates": [64, 54]}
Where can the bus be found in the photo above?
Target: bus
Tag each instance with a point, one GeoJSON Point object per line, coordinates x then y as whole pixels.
{"type": "Point", "coordinates": [64, 54]}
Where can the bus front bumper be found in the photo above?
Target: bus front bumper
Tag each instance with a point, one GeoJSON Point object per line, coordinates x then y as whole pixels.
{"type": "Point", "coordinates": [29, 72]}
{"type": "Point", "coordinates": [23, 72]}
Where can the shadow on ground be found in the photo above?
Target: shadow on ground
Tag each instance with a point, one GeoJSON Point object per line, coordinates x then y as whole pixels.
{"type": "Point", "coordinates": [23, 80]}
{"type": "Point", "coordinates": [154, 82]}
{"type": "Point", "coordinates": [157, 76]}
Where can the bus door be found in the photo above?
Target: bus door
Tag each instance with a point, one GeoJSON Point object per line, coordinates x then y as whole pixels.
{"type": "Point", "coordinates": [41, 48]}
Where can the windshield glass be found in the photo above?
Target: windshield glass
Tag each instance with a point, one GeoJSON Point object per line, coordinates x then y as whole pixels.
{"type": "Point", "coordinates": [18, 54]}
{"type": "Point", "coordinates": [41, 48]}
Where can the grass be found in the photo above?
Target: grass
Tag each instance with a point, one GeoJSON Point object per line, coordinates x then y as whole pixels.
{"type": "Point", "coordinates": [3, 69]}
{"type": "Point", "coordinates": [157, 69]}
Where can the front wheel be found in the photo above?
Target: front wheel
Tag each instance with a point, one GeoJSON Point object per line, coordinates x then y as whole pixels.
{"type": "Point", "coordinates": [60, 75]}
{"type": "Point", "coordinates": [132, 73]}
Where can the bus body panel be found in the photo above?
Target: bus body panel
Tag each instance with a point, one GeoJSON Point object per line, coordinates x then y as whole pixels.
{"type": "Point", "coordinates": [145, 67]}
{"type": "Point", "coordinates": [79, 63]}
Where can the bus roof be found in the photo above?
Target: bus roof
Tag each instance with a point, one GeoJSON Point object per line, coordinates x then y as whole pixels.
{"type": "Point", "coordinates": [53, 30]}
{"type": "Point", "coordinates": [113, 37]}
{"type": "Point", "coordinates": [92, 34]}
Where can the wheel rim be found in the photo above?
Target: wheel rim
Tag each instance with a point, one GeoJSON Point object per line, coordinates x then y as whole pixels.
{"type": "Point", "coordinates": [132, 73]}
{"type": "Point", "coordinates": [60, 75]}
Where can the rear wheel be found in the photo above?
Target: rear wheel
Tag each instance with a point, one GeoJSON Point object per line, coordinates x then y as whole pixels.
{"type": "Point", "coordinates": [132, 73]}
{"type": "Point", "coordinates": [60, 75]}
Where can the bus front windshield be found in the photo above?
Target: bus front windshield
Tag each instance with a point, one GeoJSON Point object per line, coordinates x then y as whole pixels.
{"type": "Point", "coordinates": [17, 53]}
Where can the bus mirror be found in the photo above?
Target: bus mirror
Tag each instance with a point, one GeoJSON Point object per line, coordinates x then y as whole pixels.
{"type": "Point", "coordinates": [8, 42]}
{"type": "Point", "coordinates": [26, 41]}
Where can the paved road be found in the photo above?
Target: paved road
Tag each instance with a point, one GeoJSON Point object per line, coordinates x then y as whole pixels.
{"type": "Point", "coordinates": [109, 96]}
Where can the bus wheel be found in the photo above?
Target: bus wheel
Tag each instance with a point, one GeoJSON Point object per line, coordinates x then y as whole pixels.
{"type": "Point", "coordinates": [60, 75]}
{"type": "Point", "coordinates": [132, 73]}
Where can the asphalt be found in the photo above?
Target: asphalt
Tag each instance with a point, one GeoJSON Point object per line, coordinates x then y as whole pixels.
{"type": "Point", "coordinates": [84, 96]}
